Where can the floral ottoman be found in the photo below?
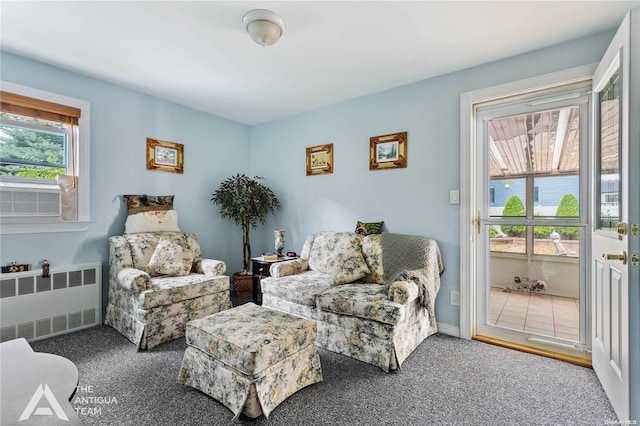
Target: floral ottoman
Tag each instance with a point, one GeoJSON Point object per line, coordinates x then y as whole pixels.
{"type": "Point", "coordinates": [250, 358]}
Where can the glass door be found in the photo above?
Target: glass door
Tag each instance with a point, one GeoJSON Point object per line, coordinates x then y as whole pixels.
{"type": "Point", "coordinates": [533, 220]}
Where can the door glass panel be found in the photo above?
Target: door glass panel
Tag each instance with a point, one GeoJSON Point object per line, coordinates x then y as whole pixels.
{"type": "Point", "coordinates": [545, 142]}
{"type": "Point", "coordinates": [556, 241]}
{"type": "Point", "coordinates": [507, 197]}
{"type": "Point", "coordinates": [609, 158]}
{"type": "Point", "coordinates": [508, 239]}
{"type": "Point", "coordinates": [557, 196]}
{"type": "Point", "coordinates": [534, 295]}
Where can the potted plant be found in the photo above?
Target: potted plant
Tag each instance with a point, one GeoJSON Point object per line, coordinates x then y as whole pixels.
{"type": "Point", "coordinates": [247, 202]}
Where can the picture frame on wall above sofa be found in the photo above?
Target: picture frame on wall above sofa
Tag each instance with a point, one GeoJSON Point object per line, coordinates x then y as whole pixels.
{"type": "Point", "coordinates": [165, 156]}
{"type": "Point", "coordinates": [320, 159]}
{"type": "Point", "coordinates": [388, 151]}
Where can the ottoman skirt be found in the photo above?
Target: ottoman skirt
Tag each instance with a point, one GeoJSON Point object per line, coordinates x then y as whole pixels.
{"type": "Point", "coordinates": [250, 358]}
{"type": "Point", "coordinates": [255, 395]}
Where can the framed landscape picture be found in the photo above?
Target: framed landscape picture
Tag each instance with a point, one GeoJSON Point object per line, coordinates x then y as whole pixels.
{"type": "Point", "coordinates": [388, 151]}
{"type": "Point", "coordinates": [165, 156]}
{"type": "Point", "coordinates": [320, 159]}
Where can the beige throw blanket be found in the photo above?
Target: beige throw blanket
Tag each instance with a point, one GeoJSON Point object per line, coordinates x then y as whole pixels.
{"type": "Point", "coordinates": [413, 258]}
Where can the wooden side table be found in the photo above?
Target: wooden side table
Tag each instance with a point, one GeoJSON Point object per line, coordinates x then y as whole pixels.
{"type": "Point", "coordinates": [260, 269]}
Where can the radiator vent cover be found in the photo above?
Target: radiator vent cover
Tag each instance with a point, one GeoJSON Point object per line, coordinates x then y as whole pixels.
{"type": "Point", "coordinates": [35, 308]}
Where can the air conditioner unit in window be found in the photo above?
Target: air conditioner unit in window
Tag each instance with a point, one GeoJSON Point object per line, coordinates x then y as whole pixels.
{"type": "Point", "coordinates": [29, 199]}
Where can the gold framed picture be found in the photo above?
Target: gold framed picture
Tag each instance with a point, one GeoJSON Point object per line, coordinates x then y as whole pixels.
{"type": "Point", "coordinates": [320, 159]}
{"type": "Point", "coordinates": [388, 151]}
{"type": "Point", "coordinates": [165, 156]}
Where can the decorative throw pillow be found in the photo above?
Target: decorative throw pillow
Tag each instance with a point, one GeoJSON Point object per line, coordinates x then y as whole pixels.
{"type": "Point", "coordinates": [366, 228]}
{"type": "Point", "coordinates": [170, 259]}
{"type": "Point", "coordinates": [349, 267]}
{"type": "Point", "coordinates": [152, 221]}
{"type": "Point", "coordinates": [327, 244]}
{"type": "Point", "coordinates": [145, 203]}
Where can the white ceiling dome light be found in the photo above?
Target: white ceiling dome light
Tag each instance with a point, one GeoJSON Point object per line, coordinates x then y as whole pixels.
{"type": "Point", "coordinates": [264, 26]}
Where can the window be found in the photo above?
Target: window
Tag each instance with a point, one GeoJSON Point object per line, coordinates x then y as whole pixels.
{"type": "Point", "coordinates": [44, 163]}
{"type": "Point", "coordinates": [609, 156]}
{"type": "Point", "coordinates": [534, 165]}
{"type": "Point", "coordinates": [610, 198]}
{"type": "Point", "coordinates": [32, 147]}
{"type": "Point", "coordinates": [509, 196]}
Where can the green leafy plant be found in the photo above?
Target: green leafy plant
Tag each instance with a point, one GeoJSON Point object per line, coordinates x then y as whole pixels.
{"type": "Point", "coordinates": [513, 208]}
{"type": "Point", "coordinates": [542, 232]}
{"type": "Point", "coordinates": [247, 202]}
{"type": "Point", "coordinates": [568, 207]}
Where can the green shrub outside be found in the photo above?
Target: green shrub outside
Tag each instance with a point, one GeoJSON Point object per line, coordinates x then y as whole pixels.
{"type": "Point", "coordinates": [493, 232]}
{"type": "Point", "coordinates": [541, 231]}
{"type": "Point", "coordinates": [568, 207]}
{"type": "Point", "coordinates": [513, 208]}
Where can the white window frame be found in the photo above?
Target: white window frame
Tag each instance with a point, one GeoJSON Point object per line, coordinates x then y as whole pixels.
{"type": "Point", "coordinates": [31, 225]}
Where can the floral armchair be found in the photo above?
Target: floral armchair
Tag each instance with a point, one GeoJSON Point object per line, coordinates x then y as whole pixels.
{"type": "Point", "coordinates": [158, 282]}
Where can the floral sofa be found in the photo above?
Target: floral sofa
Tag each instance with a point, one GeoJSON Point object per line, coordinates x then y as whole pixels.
{"type": "Point", "coordinates": [372, 296]}
{"type": "Point", "coordinates": [158, 282]}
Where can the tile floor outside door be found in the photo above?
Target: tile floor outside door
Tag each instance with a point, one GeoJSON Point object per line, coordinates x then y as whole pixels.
{"type": "Point", "coordinates": [536, 313]}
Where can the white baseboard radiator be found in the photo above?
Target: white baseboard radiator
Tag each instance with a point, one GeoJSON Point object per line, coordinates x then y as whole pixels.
{"type": "Point", "coordinates": [34, 307]}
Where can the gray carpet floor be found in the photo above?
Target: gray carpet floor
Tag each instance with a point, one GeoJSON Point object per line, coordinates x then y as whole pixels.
{"type": "Point", "coordinates": [446, 381]}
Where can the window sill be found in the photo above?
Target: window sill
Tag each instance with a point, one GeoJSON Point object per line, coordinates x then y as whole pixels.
{"type": "Point", "coordinates": [7, 228]}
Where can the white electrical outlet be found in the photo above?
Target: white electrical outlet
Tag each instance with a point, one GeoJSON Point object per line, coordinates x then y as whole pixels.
{"type": "Point", "coordinates": [454, 298]}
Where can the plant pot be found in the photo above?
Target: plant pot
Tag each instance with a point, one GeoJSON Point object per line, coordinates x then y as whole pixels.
{"type": "Point", "coordinates": [243, 285]}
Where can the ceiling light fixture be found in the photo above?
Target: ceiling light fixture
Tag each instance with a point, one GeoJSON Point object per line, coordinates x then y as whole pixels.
{"type": "Point", "coordinates": [264, 26]}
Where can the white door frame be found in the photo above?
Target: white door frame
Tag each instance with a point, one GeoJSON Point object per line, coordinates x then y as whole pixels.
{"type": "Point", "coordinates": [469, 157]}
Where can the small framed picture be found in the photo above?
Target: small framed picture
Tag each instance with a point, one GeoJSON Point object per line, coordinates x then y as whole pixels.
{"type": "Point", "coordinates": [388, 151]}
{"type": "Point", "coordinates": [165, 156]}
{"type": "Point", "coordinates": [320, 159]}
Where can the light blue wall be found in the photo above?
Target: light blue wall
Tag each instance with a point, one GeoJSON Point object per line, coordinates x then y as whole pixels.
{"type": "Point", "coordinates": [121, 120]}
{"type": "Point", "coordinates": [414, 200]}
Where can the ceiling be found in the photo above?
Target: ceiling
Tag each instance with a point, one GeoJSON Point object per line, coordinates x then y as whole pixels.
{"type": "Point", "coordinates": [197, 53]}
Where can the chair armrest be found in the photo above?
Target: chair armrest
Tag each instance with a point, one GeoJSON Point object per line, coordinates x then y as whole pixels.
{"type": "Point", "coordinates": [134, 279]}
{"type": "Point", "coordinates": [210, 267]}
{"type": "Point", "coordinates": [403, 292]}
{"type": "Point", "coordinates": [289, 267]}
